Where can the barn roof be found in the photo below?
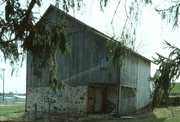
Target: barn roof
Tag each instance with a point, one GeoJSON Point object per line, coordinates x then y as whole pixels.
{"type": "Point", "coordinates": [52, 7]}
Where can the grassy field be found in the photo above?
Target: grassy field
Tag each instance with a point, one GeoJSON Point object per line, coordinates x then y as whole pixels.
{"type": "Point", "coordinates": [10, 111]}
{"type": "Point", "coordinates": [14, 111]}
{"type": "Point", "coordinates": [176, 88]}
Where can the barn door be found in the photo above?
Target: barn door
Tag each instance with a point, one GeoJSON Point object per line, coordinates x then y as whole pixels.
{"type": "Point", "coordinates": [98, 103]}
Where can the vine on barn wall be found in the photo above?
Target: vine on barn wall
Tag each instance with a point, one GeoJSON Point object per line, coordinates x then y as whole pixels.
{"type": "Point", "coordinates": [43, 43]}
{"type": "Point", "coordinates": [119, 50]}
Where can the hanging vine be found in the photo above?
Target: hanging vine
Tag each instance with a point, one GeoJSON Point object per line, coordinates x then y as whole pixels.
{"type": "Point", "coordinates": [119, 50]}
{"type": "Point", "coordinates": [43, 43]}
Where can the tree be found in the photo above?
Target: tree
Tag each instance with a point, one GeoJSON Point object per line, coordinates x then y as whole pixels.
{"type": "Point", "coordinates": [169, 67]}
{"type": "Point", "coordinates": [20, 32]}
{"type": "Point", "coordinates": [167, 73]}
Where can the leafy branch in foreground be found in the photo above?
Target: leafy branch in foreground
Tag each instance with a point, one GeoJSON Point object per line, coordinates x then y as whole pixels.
{"type": "Point", "coordinates": [168, 72]}
{"type": "Point", "coordinates": [171, 14]}
{"type": "Point", "coordinates": [19, 33]}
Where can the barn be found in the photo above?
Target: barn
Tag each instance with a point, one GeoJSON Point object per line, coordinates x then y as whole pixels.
{"type": "Point", "coordinates": [92, 88]}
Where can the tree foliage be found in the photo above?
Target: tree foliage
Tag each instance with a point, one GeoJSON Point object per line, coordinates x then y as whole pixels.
{"type": "Point", "coordinates": [169, 67]}
{"type": "Point", "coordinates": [20, 32]}
{"type": "Point", "coordinates": [167, 73]}
{"type": "Point", "coordinates": [171, 13]}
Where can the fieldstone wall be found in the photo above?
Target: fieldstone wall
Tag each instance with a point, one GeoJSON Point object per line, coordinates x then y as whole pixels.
{"type": "Point", "coordinates": [44, 100]}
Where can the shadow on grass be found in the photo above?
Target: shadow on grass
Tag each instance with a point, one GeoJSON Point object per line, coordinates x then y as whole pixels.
{"type": "Point", "coordinates": [142, 118]}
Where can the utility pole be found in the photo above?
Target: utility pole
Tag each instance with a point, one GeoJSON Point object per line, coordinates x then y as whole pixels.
{"type": "Point", "coordinates": [3, 69]}
{"type": "Point", "coordinates": [27, 3]}
{"type": "Point", "coordinates": [57, 3]}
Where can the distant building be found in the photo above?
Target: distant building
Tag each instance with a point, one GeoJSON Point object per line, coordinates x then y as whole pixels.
{"type": "Point", "coordinates": [12, 99]}
{"type": "Point", "coordinates": [93, 88]}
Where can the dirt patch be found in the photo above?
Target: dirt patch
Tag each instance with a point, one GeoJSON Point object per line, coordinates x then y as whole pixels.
{"type": "Point", "coordinates": [2, 118]}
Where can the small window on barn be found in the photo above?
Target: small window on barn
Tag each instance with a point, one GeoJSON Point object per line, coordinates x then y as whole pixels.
{"type": "Point", "coordinates": [128, 92]}
{"type": "Point", "coordinates": [104, 62]}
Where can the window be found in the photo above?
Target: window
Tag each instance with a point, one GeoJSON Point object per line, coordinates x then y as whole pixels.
{"type": "Point", "coordinates": [104, 62]}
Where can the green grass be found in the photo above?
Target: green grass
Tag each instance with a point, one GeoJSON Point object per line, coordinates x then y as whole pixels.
{"type": "Point", "coordinates": [14, 111]}
{"type": "Point", "coordinates": [167, 115]}
{"type": "Point", "coordinates": [176, 88]}
{"type": "Point", "coordinates": [158, 115]}
{"type": "Point", "coordinates": [10, 111]}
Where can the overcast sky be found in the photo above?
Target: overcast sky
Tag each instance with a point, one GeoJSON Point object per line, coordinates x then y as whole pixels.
{"type": "Point", "coordinates": [150, 35]}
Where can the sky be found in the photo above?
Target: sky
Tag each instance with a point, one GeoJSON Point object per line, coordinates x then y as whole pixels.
{"type": "Point", "coordinates": [151, 33]}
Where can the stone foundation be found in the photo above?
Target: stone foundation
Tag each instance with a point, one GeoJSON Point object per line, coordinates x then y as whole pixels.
{"type": "Point", "coordinates": [44, 100]}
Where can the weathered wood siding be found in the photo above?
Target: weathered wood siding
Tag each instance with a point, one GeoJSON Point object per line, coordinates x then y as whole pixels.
{"type": "Point", "coordinates": [31, 81]}
{"type": "Point", "coordinates": [134, 84]}
{"type": "Point", "coordinates": [143, 85]}
{"type": "Point", "coordinates": [82, 65]}
{"type": "Point", "coordinates": [129, 71]}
